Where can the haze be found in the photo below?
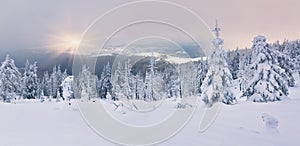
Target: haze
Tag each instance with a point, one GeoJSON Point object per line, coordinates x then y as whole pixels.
{"type": "Point", "coordinates": [34, 24]}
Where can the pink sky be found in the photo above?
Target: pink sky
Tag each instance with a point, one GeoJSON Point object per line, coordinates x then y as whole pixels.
{"type": "Point", "coordinates": [32, 24]}
{"type": "Point", "coordinates": [241, 20]}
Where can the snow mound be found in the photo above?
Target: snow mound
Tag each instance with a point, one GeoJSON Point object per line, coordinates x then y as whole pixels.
{"type": "Point", "coordinates": [271, 124]}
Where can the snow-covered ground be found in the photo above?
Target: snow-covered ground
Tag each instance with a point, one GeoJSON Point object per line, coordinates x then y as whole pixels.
{"type": "Point", "coordinates": [31, 123]}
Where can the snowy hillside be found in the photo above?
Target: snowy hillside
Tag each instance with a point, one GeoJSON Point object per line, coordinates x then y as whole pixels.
{"type": "Point", "coordinates": [31, 123]}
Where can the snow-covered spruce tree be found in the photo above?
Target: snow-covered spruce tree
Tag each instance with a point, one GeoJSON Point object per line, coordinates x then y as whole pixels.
{"type": "Point", "coordinates": [192, 81]}
{"type": "Point", "coordinates": [154, 84]}
{"type": "Point", "coordinates": [54, 83]}
{"type": "Point", "coordinates": [235, 65]}
{"type": "Point", "coordinates": [10, 80]}
{"type": "Point", "coordinates": [137, 86]}
{"type": "Point", "coordinates": [127, 84]}
{"type": "Point", "coordinates": [102, 91]}
{"type": "Point", "coordinates": [201, 74]}
{"type": "Point", "coordinates": [175, 86]}
{"type": "Point", "coordinates": [67, 87]}
{"type": "Point", "coordinates": [167, 78]}
{"type": "Point", "coordinates": [287, 64]}
{"type": "Point", "coordinates": [46, 84]}
{"type": "Point", "coordinates": [134, 87]}
{"type": "Point", "coordinates": [216, 83]}
{"type": "Point", "coordinates": [118, 80]}
{"type": "Point", "coordinates": [188, 81]}
{"type": "Point", "coordinates": [184, 83]}
{"type": "Point", "coordinates": [159, 87]}
{"type": "Point", "coordinates": [30, 81]}
{"type": "Point", "coordinates": [64, 75]}
{"type": "Point", "coordinates": [154, 87]}
{"type": "Point", "coordinates": [60, 77]}
{"type": "Point", "coordinates": [140, 90]}
{"type": "Point", "coordinates": [284, 60]}
{"type": "Point", "coordinates": [83, 84]}
{"type": "Point", "coordinates": [244, 73]}
{"type": "Point", "coordinates": [292, 49]}
{"type": "Point", "coordinates": [267, 83]}
{"type": "Point", "coordinates": [149, 93]}
{"type": "Point", "coordinates": [87, 84]}
{"type": "Point", "coordinates": [106, 85]}
{"type": "Point", "coordinates": [291, 60]}
{"type": "Point", "coordinates": [149, 81]}
{"type": "Point", "coordinates": [76, 87]}
{"type": "Point", "coordinates": [123, 81]}
{"type": "Point", "coordinates": [39, 91]}
{"type": "Point", "coordinates": [296, 54]}
{"type": "Point", "coordinates": [56, 79]}
{"type": "Point", "coordinates": [277, 46]}
{"type": "Point", "coordinates": [243, 76]}
{"type": "Point", "coordinates": [172, 82]}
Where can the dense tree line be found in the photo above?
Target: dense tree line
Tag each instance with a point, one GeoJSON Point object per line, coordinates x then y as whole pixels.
{"type": "Point", "coordinates": [14, 85]}
{"type": "Point", "coordinates": [263, 72]}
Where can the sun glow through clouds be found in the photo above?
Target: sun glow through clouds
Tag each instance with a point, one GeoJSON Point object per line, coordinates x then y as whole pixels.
{"type": "Point", "coordinates": [63, 43]}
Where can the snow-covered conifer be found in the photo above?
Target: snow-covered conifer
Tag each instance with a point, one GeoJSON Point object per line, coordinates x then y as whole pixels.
{"type": "Point", "coordinates": [10, 80]}
{"type": "Point", "coordinates": [140, 87]}
{"type": "Point", "coordinates": [118, 79]}
{"type": "Point", "coordinates": [54, 83]}
{"type": "Point", "coordinates": [235, 65]}
{"type": "Point", "coordinates": [188, 79]}
{"type": "Point", "coordinates": [67, 87]}
{"type": "Point", "coordinates": [46, 84]}
{"type": "Point", "coordinates": [106, 85]}
{"type": "Point", "coordinates": [154, 84]}
{"type": "Point", "coordinates": [87, 84]}
{"type": "Point", "coordinates": [172, 82]}
{"type": "Point", "coordinates": [30, 81]}
{"type": "Point", "coordinates": [201, 73]}
{"type": "Point", "coordinates": [216, 83]}
{"type": "Point", "coordinates": [267, 83]}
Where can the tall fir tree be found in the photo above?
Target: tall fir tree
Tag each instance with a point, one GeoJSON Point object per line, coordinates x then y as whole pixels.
{"type": "Point", "coordinates": [127, 88]}
{"type": "Point", "coordinates": [188, 79]}
{"type": "Point", "coordinates": [201, 74]}
{"type": "Point", "coordinates": [54, 83]}
{"type": "Point", "coordinates": [118, 80]}
{"type": "Point", "coordinates": [288, 56]}
{"type": "Point", "coordinates": [172, 82]}
{"type": "Point", "coordinates": [10, 80]}
{"type": "Point", "coordinates": [46, 84]}
{"type": "Point", "coordinates": [154, 84]}
{"type": "Point", "coordinates": [30, 81]}
{"type": "Point", "coordinates": [287, 64]}
{"type": "Point", "coordinates": [149, 83]}
{"type": "Point", "coordinates": [235, 65]}
{"type": "Point", "coordinates": [216, 84]}
{"type": "Point", "coordinates": [87, 84]}
{"type": "Point", "coordinates": [140, 87]}
{"type": "Point", "coordinates": [106, 85]}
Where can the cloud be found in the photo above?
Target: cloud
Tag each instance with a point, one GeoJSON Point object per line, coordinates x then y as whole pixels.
{"type": "Point", "coordinates": [28, 24]}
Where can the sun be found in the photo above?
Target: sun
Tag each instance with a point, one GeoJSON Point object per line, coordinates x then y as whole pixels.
{"type": "Point", "coordinates": [62, 43]}
{"type": "Point", "coordinates": [67, 43]}
{"type": "Point", "coordinates": [72, 43]}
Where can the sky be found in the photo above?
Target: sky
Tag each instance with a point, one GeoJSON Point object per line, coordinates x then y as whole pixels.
{"type": "Point", "coordinates": [57, 24]}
